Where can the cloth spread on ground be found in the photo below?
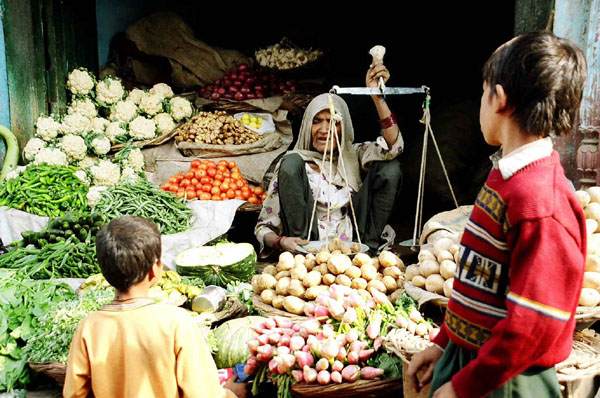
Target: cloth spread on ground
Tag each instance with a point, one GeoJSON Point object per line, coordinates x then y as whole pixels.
{"type": "Point", "coordinates": [140, 350]}
{"type": "Point", "coordinates": [519, 278]}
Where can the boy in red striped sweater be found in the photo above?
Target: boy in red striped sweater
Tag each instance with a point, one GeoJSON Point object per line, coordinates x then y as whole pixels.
{"type": "Point", "coordinates": [510, 318]}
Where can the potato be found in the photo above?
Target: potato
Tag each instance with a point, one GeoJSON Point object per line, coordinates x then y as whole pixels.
{"type": "Point", "coordinates": [593, 244]}
{"type": "Point", "coordinates": [364, 294]}
{"type": "Point", "coordinates": [390, 284]}
{"type": "Point", "coordinates": [592, 263]}
{"type": "Point", "coordinates": [343, 280]}
{"type": "Point", "coordinates": [361, 259]}
{"type": "Point", "coordinates": [591, 226]}
{"type": "Point", "coordinates": [368, 272]}
{"type": "Point", "coordinates": [583, 198]}
{"type": "Point", "coordinates": [335, 244]}
{"type": "Point", "coordinates": [355, 247]}
{"type": "Point", "coordinates": [412, 271]}
{"type": "Point", "coordinates": [296, 288]}
{"type": "Point", "coordinates": [309, 261]}
{"type": "Point", "coordinates": [375, 284]}
{"type": "Point", "coordinates": [429, 267]}
{"type": "Point", "coordinates": [591, 280]}
{"type": "Point", "coordinates": [387, 259]}
{"type": "Point", "coordinates": [265, 281]}
{"type": "Point", "coordinates": [589, 297]}
{"type": "Point", "coordinates": [444, 255]}
{"type": "Point", "coordinates": [379, 277]}
{"type": "Point", "coordinates": [425, 255]}
{"type": "Point", "coordinates": [454, 248]}
{"type": "Point", "coordinates": [353, 272]}
{"type": "Point", "coordinates": [396, 296]}
{"type": "Point", "coordinates": [313, 292]}
{"type": "Point", "coordinates": [447, 269]}
{"type": "Point", "coordinates": [283, 286]}
{"type": "Point", "coordinates": [313, 278]}
{"type": "Point", "coordinates": [313, 250]}
{"type": "Point", "coordinates": [457, 257]}
{"type": "Point", "coordinates": [299, 272]}
{"type": "Point", "coordinates": [323, 269]}
{"type": "Point", "coordinates": [299, 259]}
{"type": "Point", "coordinates": [322, 257]}
{"type": "Point", "coordinates": [267, 296]}
{"type": "Point", "coordinates": [400, 263]}
{"type": "Point", "coordinates": [346, 249]}
{"type": "Point", "coordinates": [286, 261]}
{"type": "Point", "coordinates": [270, 269]}
{"type": "Point", "coordinates": [419, 281]}
{"type": "Point", "coordinates": [448, 287]}
{"type": "Point", "coordinates": [294, 305]}
{"type": "Point", "coordinates": [394, 272]}
{"type": "Point", "coordinates": [254, 283]}
{"type": "Point", "coordinates": [441, 245]}
{"type": "Point", "coordinates": [338, 264]}
{"type": "Point", "coordinates": [283, 274]}
{"type": "Point", "coordinates": [328, 279]}
{"type": "Point", "coordinates": [434, 284]}
{"type": "Point", "coordinates": [375, 262]}
{"type": "Point", "coordinates": [592, 211]}
{"type": "Point", "coordinates": [594, 193]}
{"type": "Point", "coordinates": [358, 284]}
{"type": "Point", "coordinates": [278, 302]}
{"type": "Point", "coordinates": [400, 283]}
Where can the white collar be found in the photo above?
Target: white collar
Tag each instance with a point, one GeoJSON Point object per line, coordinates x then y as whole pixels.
{"type": "Point", "coordinates": [523, 157]}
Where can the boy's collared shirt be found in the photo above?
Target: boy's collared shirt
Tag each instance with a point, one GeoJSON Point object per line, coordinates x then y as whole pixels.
{"type": "Point", "coordinates": [521, 157]}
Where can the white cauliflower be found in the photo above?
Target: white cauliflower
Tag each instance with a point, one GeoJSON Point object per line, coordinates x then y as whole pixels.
{"type": "Point", "coordinates": [80, 82]}
{"type": "Point", "coordinates": [74, 146]}
{"type": "Point", "coordinates": [115, 130]}
{"type": "Point", "coordinates": [129, 175]}
{"type": "Point", "coordinates": [101, 145]}
{"type": "Point", "coordinates": [180, 108]}
{"type": "Point", "coordinates": [135, 160]}
{"type": "Point", "coordinates": [87, 162]}
{"type": "Point", "coordinates": [52, 157]}
{"type": "Point", "coordinates": [33, 147]}
{"type": "Point", "coordinates": [124, 111]}
{"type": "Point", "coordinates": [106, 173]}
{"type": "Point", "coordinates": [164, 123]}
{"type": "Point", "coordinates": [76, 124]}
{"type": "Point", "coordinates": [109, 91]}
{"type": "Point", "coordinates": [82, 175]}
{"type": "Point", "coordinates": [151, 104]}
{"type": "Point", "coordinates": [135, 96]}
{"type": "Point", "coordinates": [14, 173]}
{"type": "Point", "coordinates": [142, 128]}
{"type": "Point", "coordinates": [162, 90]}
{"type": "Point", "coordinates": [83, 106]}
{"type": "Point", "coordinates": [94, 195]}
{"type": "Point", "coordinates": [99, 125]}
{"type": "Point", "coordinates": [47, 128]}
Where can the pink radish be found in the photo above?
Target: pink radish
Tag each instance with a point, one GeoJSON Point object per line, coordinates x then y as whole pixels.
{"type": "Point", "coordinates": [310, 374]}
{"type": "Point", "coordinates": [350, 373]}
{"type": "Point", "coordinates": [263, 339]}
{"type": "Point", "coordinates": [350, 316]}
{"type": "Point", "coordinates": [296, 343]}
{"type": "Point", "coordinates": [374, 328]}
{"type": "Point", "coordinates": [341, 339]}
{"type": "Point", "coordinates": [371, 303]}
{"type": "Point", "coordinates": [336, 310]}
{"type": "Point", "coordinates": [353, 357]}
{"type": "Point", "coordinates": [324, 377]}
{"type": "Point", "coordinates": [270, 323]}
{"type": "Point", "coordinates": [288, 360]}
{"type": "Point", "coordinates": [273, 364]}
{"type": "Point", "coordinates": [377, 343]}
{"type": "Point", "coordinates": [312, 326]}
{"type": "Point", "coordinates": [283, 322]}
{"type": "Point", "coordinates": [266, 351]}
{"type": "Point", "coordinates": [306, 349]}
{"type": "Point", "coordinates": [322, 364]}
{"type": "Point", "coordinates": [274, 338]}
{"type": "Point", "coordinates": [285, 340]}
{"type": "Point", "coordinates": [253, 345]}
{"type": "Point", "coordinates": [321, 310]}
{"type": "Point", "coordinates": [402, 322]}
{"type": "Point", "coordinates": [303, 332]}
{"type": "Point", "coordinates": [370, 373]}
{"type": "Point", "coordinates": [337, 366]}
{"type": "Point", "coordinates": [298, 375]}
{"type": "Point", "coordinates": [358, 345]}
{"type": "Point", "coordinates": [415, 315]}
{"type": "Point", "coordinates": [412, 326]}
{"type": "Point", "coordinates": [328, 330]}
{"type": "Point", "coordinates": [352, 336]}
{"type": "Point", "coordinates": [323, 300]}
{"type": "Point", "coordinates": [330, 348]}
{"type": "Point", "coordinates": [379, 297]}
{"type": "Point", "coordinates": [296, 327]}
{"type": "Point", "coordinates": [287, 332]}
{"type": "Point", "coordinates": [309, 309]}
{"type": "Point", "coordinates": [304, 358]}
{"type": "Point", "coordinates": [283, 350]}
{"type": "Point", "coordinates": [257, 328]}
{"type": "Point", "coordinates": [249, 370]}
{"type": "Point", "coordinates": [336, 377]}
{"type": "Point", "coordinates": [421, 329]}
{"type": "Point", "coordinates": [342, 354]}
{"type": "Point", "coordinates": [433, 333]}
{"type": "Point", "coordinates": [365, 354]}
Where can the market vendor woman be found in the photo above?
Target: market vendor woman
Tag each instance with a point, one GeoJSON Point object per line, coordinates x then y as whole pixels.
{"type": "Point", "coordinates": [284, 221]}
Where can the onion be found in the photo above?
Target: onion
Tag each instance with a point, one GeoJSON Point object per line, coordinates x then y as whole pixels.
{"type": "Point", "coordinates": [238, 96]}
{"type": "Point", "coordinates": [233, 76]}
{"type": "Point", "coordinates": [238, 83]}
{"type": "Point", "coordinates": [242, 67]}
{"type": "Point", "coordinates": [215, 96]}
{"type": "Point", "coordinates": [228, 96]}
{"type": "Point", "coordinates": [245, 90]}
{"type": "Point", "coordinates": [227, 82]}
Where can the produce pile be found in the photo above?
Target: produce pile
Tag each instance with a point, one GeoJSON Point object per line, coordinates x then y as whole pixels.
{"type": "Point", "coordinates": [284, 57]}
{"type": "Point", "coordinates": [436, 267]}
{"type": "Point", "coordinates": [245, 84]}
{"type": "Point", "coordinates": [45, 191]}
{"type": "Point", "coordinates": [296, 281]}
{"type": "Point", "coordinates": [341, 343]}
{"type": "Point", "coordinates": [22, 303]}
{"type": "Point", "coordinates": [209, 180]}
{"type": "Point", "coordinates": [590, 201]}
{"type": "Point", "coordinates": [143, 199]}
{"type": "Point", "coordinates": [216, 128]}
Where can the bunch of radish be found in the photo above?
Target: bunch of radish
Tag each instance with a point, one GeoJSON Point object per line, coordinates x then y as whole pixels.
{"type": "Point", "coordinates": [245, 83]}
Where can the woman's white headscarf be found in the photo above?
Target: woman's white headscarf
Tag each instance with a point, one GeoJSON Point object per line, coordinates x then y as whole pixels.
{"type": "Point", "coordinates": [306, 151]}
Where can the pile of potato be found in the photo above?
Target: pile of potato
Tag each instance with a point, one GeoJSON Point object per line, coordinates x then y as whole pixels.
{"type": "Point", "coordinates": [303, 278]}
{"type": "Point", "coordinates": [216, 128]}
{"type": "Point", "coordinates": [590, 201]}
{"type": "Point", "coordinates": [436, 267]}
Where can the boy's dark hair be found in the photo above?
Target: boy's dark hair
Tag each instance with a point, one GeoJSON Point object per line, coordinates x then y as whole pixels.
{"type": "Point", "coordinates": [543, 77]}
{"type": "Point", "coordinates": [126, 248]}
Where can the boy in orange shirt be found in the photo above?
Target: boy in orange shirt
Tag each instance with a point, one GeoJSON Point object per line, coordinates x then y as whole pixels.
{"type": "Point", "coordinates": [135, 347]}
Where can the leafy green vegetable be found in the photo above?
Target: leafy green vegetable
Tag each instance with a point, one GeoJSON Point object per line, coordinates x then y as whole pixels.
{"type": "Point", "coordinates": [243, 291]}
{"type": "Point", "coordinates": [391, 364]}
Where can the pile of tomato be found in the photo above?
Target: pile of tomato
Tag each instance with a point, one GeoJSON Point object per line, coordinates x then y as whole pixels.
{"type": "Point", "coordinates": [210, 180]}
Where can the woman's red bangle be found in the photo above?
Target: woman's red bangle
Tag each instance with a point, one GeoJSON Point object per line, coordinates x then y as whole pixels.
{"type": "Point", "coordinates": [276, 242]}
{"type": "Point", "coordinates": [387, 122]}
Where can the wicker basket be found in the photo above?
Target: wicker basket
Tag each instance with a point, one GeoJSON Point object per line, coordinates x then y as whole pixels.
{"type": "Point", "coordinates": [358, 389]}
{"type": "Point", "coordinates": [55, 370]}
{"type": "Point", "coordinates": [584, 359]}
{"type": "Point", "coordinates": [267, 310]}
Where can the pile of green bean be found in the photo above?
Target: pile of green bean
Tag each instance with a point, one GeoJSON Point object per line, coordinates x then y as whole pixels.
{"type": "Point", "coordinates": [143, 199]}
{"type": "Point", "coordinates": [45, 191]}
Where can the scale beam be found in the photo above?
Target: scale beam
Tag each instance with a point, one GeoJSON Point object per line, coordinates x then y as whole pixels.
{"type": "Point", "coordinates": [377, 91]}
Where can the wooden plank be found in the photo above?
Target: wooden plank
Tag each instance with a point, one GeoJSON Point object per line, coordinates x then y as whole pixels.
{"type": "Point", "coordinates": [25, 58]}
{"type": "Point", "coordinates": [57, 63]}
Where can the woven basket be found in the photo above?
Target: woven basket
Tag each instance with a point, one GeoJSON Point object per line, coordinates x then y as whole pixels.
{"type": "Point", "coordinates": [267, 310]}
{"type": "Point", "coordinates": [358, 389]}
{"type": "Point", "coordinates": [587, 314]}
{"type": "Point", "coordinates": [249, 207]}
{"type": "Point", "coordinates": [55, 370]}
{"type": "Point", "coordinates": [584, 359]}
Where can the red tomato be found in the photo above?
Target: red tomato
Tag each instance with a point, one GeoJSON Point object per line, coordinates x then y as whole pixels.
{"type": "Point", "coordinates": [165, 186]}
{"type": "Point", "coordinates": [206, 188]}
{"type": "Point", "coordinates": [222, 162]}
{"type": "Point", "coordinates": [173, 180]}
{"type": "Point", "coordinates": [215, 197]}
{"type": "Point", "coordinates": [216, 183]}
{"type": "Point", "coordinates": [211, 163]}
{"type": "Point", "coordinates": [263, 197]}
{"type": "Point", "coordinates": [258, 191]}
{"type": "Point", "coordinates": [226, 174]}
{"type": "Point", "coordinates": [224, 195]}
{"type": "Point", "coordinates": [231, 164]}
{"type": "Point", "coordinates": [185, 183]}
{"type": "Point", "coordinates": [238, 192]}
{"type": "Point", "coordinates": [195, 163]}
{"type": "Point", "coordinates": [190, 194]}
{"type": "Point", "coordinates": [200, 173]}
{"type": "Point", "coordinates": [189, 175]}
{"type": "Point", "coordinates": [219, 177]}
{"type": "Point", "coordinates": [253, 200]}
{"type": "Point", "coordinates": [239, 184]}
{"type": "Point", "coordinates": [179, 177]}
{"type": "Point", "coordinates": [239, 197]}
{"type": "Point", "coordinates": [203, 166]}
{"type": "Point", "coordinates": [215, 190]}
{"type": "Point", "coordinates": [194, 181]}
{"type": "Point", "coordinates": [236, 176]}
{"type": "Point", "coordinates": [174, 188]}
{"type": "Point", "coordinates": [181, 193]}
{"type": "Point", "coordinates": [205, 196]}
{"type": "Point", "coordinates": [231, 194]}
{"type": "Point", "coordinates": [224, 186]}
{"type": "Point", "coordinates": [221, 168]}
{"type": "Point", "coordinates": [211, 172]}
{"type": "Point", "coordinates": [245, 195]}
{"type": "Point", "coordinates": [205, 180]}
{"type": "Point", "coordinates": [235, 170]}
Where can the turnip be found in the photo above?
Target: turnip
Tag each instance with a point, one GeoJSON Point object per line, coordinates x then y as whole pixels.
{"type": "Point", "coordinates": [310, 374]}
{"type": "Point", "coordinates": [421, 329]}
{"type": "Point", "coordinates": [351, 336]}
{"type": "Point", "coordinates": [336, 377]}
{"type": "Point", "coordinates": [287, 332]}
{"type": "Point", "coordinates": [412, 326]}
{"type": "Point", "coordinates": [328, 330]}
{"type": "Point", "coordinates": [337, 366]}
{"type": "Point", "coordinates": [273, 364]}
{"type": "Point", "coordinates": [370, 373]}
{"type": "Point", "coordinates": [433, 333]}
{"type": "Point", "coordinates": [269, 323]}
{"type": "Point", "coordinates": [288, 360]}
{"type": "Point", "coordinates": [324, 377]}
{"type": "Point", "coordinates": [377, 343]}
{"type": "Point", "coordinates": [336, 310]}
{"type": "Point", "coordinates": [341, 339]}
{"type": "Point", "coordinates": [358, 345]}
{"type": "Point", "coordinates": [415, 315]}
{"type": "Point", "coordinates": [350, 373]}
{"type": "Point", "coordinates": [321, 311]}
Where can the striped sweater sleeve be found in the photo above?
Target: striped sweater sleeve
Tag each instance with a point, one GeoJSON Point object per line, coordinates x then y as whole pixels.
{"type": "Point", "coordinates": [546, 274]}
